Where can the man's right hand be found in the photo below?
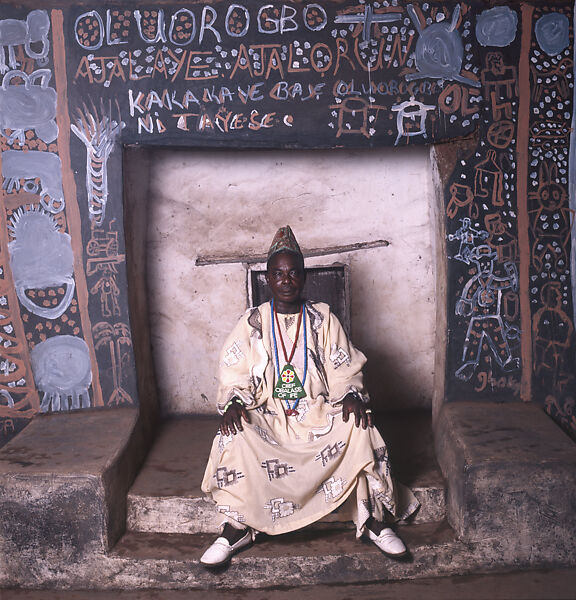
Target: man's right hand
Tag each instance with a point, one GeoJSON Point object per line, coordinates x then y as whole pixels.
{"type": "Point", "coordinates": [231, 421]}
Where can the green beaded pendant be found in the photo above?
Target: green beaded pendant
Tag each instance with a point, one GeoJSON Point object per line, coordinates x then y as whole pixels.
{"type": "Point", "coordinates": [289, 386]}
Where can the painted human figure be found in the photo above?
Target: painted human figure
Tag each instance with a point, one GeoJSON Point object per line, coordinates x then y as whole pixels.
{"type": "Point", "coordinates": [552, 335]}
{"type": "Point", "coordinates": [551, 222]}
{"type": "Point", "coordinates": [466, 236]}
{"type": "Point", "coordinates": [499, 238]}
{"type": "Point", "coordinates": [481, 300]}
{"type": "Point", "coordinates": [109, 292]}
{"type": "Point", "coordinates": [411, 118]}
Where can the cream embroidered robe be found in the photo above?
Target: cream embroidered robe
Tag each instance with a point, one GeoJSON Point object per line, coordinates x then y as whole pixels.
{"type": "Point", "coordinates": [284, 472]}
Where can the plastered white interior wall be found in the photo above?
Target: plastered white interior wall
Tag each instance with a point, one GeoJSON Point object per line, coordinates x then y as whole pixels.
{"type": "Point", "coordinates": [224, 202]}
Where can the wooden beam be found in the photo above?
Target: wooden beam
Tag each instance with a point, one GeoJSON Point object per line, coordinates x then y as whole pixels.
{"type": "Point", "coordinates": [523, 129]}
{"type": "Point", "coordinates": [202, 261]}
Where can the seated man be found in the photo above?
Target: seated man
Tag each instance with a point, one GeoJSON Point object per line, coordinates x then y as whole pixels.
{"type": "Point", "coordinates": [287, 452]}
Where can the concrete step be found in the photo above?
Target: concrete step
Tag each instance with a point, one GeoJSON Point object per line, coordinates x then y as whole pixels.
{"type": "Point", "coordinates": [166, 496]}
{"type": "Point", "coordinates": [315, 556]}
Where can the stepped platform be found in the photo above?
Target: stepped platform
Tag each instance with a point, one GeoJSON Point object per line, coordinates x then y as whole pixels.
{"type": "Point", "coordinates": [318, 555]}
{"type": "Point", "coordinates": [170, 523]}
{"type": "Point", "coordinates": [72, 519]}
{"type": "Point", "coordinates": [166, 496]}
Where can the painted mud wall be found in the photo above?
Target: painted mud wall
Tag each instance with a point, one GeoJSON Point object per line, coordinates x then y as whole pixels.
{"type": "Point", "coordinates": [79, 80]}
{"type": "Point", "coordinates": [227, 204]}
{"type": "Point", "coordinates": [510, 220]}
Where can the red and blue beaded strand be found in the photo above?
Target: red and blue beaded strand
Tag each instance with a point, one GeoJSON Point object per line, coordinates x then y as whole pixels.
{"type": "Point", "coordinates": [292, 408]}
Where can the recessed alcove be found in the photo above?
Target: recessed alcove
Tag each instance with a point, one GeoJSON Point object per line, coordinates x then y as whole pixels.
{"type": "Point", "coordinates": [214, 205]}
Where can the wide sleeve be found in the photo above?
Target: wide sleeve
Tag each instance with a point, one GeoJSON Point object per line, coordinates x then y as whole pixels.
{"type": "Point", "coordinates": [344, 363]}
{"type": "Point", "coordinates": [241, 363]}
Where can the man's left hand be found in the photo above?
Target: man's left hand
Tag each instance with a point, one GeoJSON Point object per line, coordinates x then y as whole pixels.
{"type": "Point", "coordinates": [362, 414]}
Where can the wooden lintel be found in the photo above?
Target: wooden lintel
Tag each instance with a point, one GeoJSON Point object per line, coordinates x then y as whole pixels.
{"type": "Point", "coordinates": [202, 261]}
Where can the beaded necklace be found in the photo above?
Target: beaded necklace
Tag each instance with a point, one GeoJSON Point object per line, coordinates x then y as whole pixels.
{"type": "Point", "coordinates": [288, 386]}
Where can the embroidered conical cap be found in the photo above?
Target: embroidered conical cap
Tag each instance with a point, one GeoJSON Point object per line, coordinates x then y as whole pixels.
{"type": "Point", "coordinates": [284, 241]}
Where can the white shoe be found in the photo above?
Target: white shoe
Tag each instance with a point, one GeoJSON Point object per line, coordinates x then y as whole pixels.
{"type": "Point", "coordinates": [221, 551]}
{"type": "Point", "coordinates": [389, 543]}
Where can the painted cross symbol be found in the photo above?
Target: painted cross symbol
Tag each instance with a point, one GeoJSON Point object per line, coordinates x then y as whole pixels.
{"type": "Point", "coordinates": [367, 19]}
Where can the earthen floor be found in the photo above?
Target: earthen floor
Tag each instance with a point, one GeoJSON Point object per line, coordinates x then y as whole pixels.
{"type": "Point", "coordinates": [529, 585]}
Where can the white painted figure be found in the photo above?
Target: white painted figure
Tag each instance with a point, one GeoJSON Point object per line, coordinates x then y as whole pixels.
{"type": "Point", "coordinates": [411, 118]}
{"type": "Point", "coordinates": [466, 235]}
{"type": "Point", "coordinates": [62, 370]}
{"type": "Point", "coordinates": [46, 166]}
{"type": "Point", "coordinates": [28, 106]}
{"type": "Point", "coordinates": [481, 300]}
{"type": "Point", "coordinates": [41, 257]}
{"type": "Point", "coordinates": [14, 32]}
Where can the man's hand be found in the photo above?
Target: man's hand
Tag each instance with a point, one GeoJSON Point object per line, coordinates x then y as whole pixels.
{"type": "Point", "coordinates": [362, 414]}
{"type": "Point", "coordinates": [231, 421]}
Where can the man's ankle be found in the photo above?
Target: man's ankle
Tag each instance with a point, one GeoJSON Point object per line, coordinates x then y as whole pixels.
{"type": "Point", "coordinates": [233, 534]}
{"type": "Point", "coordinates": [375, 526]}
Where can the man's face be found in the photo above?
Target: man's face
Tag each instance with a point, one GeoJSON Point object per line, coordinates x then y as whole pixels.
{"type": "Point", "coordinates": [286, 278]}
